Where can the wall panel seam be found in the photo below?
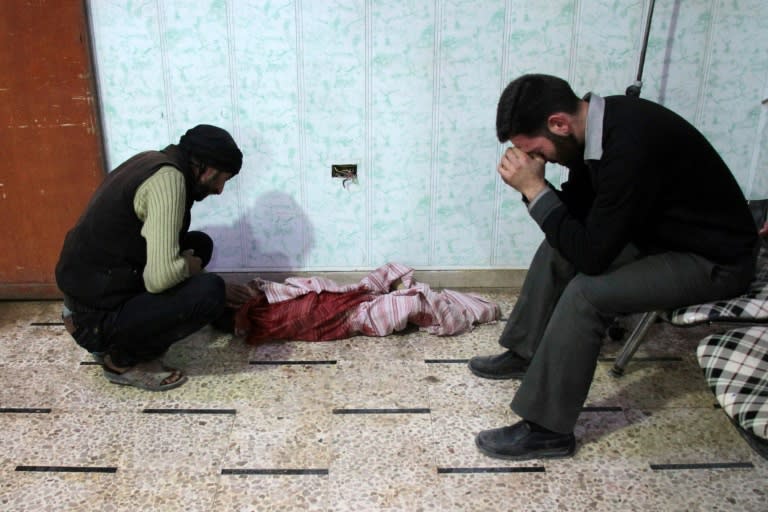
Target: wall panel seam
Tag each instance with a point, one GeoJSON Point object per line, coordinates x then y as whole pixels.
{"type": "Point", "coordinates": [301, 107]}
{"type": "Point", "coordinates": [369, 142]}
{"type": "Point", "coordinates": [434, 177]}
{"type": "Point", "coordinates": [498, 184]}
{"type": "Point", "coordinates": [706, 65]}
{"type": "Point", "coordinates": [167, 87]}
{"type": "Point", "coordinates": [233, 97]}
{"type": "Point", "coordinates": [756, 152]}
{"type": "Point", "coordinates": [575, 35]}
{"type": "Point", "coordinates": [573, 58]}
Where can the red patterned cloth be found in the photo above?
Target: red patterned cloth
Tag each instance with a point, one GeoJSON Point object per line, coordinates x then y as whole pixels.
{"type": "Point", "coordinates": [385, 301]}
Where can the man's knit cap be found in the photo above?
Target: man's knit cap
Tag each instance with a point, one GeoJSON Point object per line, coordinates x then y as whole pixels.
{"type": "Point", "coordinates": [213, 146]}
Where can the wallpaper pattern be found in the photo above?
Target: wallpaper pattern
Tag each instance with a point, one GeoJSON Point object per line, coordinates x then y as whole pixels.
{"type": "Point", "coordinates": [407, 90]}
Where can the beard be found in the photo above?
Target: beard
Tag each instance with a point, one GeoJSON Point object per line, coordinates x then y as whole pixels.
{"type": "Point", "coordinates": [201, 191]}
{"type": "Point", "coordinates": [203, 188]}
{"type": "Point", "coordinates": [568, 151]}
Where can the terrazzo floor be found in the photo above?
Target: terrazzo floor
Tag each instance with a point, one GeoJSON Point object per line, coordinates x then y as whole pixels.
{"type": "Point", "coordinates": [364, 424]}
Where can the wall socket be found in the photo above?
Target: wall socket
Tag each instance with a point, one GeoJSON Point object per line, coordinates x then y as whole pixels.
{"type": "Point", "coordinates": [346, 171]}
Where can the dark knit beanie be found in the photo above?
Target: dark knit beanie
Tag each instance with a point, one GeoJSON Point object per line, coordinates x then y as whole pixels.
{"type": "Point", "coordinates": [213, 146]}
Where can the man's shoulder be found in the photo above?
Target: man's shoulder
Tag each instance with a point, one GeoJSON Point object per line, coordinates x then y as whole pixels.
{"type": "Point", "coordinates": [143, 166]}
{"type": "Point", "coordinates": [165, 177]}
{"type": "Point", "coordinates": [621, 106]}
{"type": "Point", "coordinates": [156, 159]}
{"type": "Point", "coordinates": [150, 159]}
{"type": "Point", "coordinates": [168, 174]}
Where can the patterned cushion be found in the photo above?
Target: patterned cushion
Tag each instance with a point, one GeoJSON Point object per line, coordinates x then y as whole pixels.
{"type": "Point", "coordinates": [736, 368]}
{"type": "Point", "coordinates": [750, 307]}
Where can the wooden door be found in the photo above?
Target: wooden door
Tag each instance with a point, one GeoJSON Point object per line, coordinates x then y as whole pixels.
{"type": "Point", "coordinates": [50, 140]}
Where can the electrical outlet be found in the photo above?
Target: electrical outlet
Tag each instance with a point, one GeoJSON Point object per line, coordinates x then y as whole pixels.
{"type": "Point", "coordinates": [346, 171]}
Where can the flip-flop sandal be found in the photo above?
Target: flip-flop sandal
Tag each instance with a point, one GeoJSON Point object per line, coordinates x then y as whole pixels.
{"type": "Point", "coordinates": [149, 376]}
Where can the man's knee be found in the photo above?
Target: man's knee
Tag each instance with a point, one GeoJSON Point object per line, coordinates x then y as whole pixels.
{"type": "Point", "coordinates": [209, 283]}
{"type": "Point", "coordinates": [549, 260]}
{"type": "Point", "coordinates": [200, 243]}
{"type": "Point", "coordinates": [587, 295]}
{"type": "Point", "coordinates": [208, 292]}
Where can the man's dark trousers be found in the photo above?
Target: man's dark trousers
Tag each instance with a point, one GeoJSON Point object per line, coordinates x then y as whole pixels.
{"type": "Point", "coordinates": [147, 324]}
{"type": "Point", "coordinates": [561, 316]}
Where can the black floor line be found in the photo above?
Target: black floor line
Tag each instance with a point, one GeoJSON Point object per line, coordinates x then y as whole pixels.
{"type": "Point", "coordinates": [66, 469]}
{"type": "Point", "coordinates": [24, 410]}
{"type": "Point", "coordinates": [601, 409]}
{"type": "Point", "coordinates": [300, 362]}
{"type": "Point", "coordinates": [707, 465]}
{"type": "Point", "coordinates": [647, 359]}
{"type": "Point", "coordinates": [416, 410]}
{"type": "Point", "coordinates": [189, 411]}
{"type": "Point", "coordinates": [245, 471]}
{"type": "Point", "coordinates": [517, 469]}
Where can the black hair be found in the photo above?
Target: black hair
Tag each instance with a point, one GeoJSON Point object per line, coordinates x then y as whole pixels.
{"type": "Point", "coordinates": [528, 101]}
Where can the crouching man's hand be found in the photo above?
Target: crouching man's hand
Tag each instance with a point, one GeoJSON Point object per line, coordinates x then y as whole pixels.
{"type": "Point", "coordinates": [237, 294]}
{"type": "Point", "coordinates": [194, 264]}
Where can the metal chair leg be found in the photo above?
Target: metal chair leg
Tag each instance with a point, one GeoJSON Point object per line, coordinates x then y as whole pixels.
{"type": "Point", "coordinates": [630, 347]}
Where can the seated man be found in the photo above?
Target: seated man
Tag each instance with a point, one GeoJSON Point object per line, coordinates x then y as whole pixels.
{"type": "Point", "coordinates": [650, 218]}
{"type": "Point", "coordinates": [131, 272]}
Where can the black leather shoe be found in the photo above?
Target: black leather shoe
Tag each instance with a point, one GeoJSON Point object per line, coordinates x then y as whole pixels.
{"type": "Point", "coordinates": [506, 365]}
{"type": "Point", "coordinates": [519, 442]}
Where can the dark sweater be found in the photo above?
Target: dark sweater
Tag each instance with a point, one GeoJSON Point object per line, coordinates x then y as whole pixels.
{"type": "Point", "coordinates": [659, 184]}
{"type": "Point", "coordinates": [104, 255]}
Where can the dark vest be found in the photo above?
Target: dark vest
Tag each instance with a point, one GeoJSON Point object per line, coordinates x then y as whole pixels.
{"type": "Point", "coordinates": [104, 255]}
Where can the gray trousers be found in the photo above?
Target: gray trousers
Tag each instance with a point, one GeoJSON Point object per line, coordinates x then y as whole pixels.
{"type": "Point", "coordinates": [561, 317]}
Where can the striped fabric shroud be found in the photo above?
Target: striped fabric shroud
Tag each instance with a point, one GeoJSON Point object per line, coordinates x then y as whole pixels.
{"type": "Point", "coordinates": [383, 302]}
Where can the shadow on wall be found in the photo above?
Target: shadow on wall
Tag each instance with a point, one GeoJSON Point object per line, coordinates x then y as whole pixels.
{"type": "Point", "coordinates": [262, 232]}
{"type": "Point", "coordinates": [671, 34]}
{"type": "Point", "coordinates": [274, 233]}
{"type": "Point", "coordinates": [280, 234]}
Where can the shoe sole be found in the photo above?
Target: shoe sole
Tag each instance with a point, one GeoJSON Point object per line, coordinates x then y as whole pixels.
{"type": "Point", "coordinates": [542, 454]}
{"type": "Point", "coordinates": [496, 376]}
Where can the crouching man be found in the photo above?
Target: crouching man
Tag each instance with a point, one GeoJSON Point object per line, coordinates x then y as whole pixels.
{"type": "Point", "coordinates": [133, 274]}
